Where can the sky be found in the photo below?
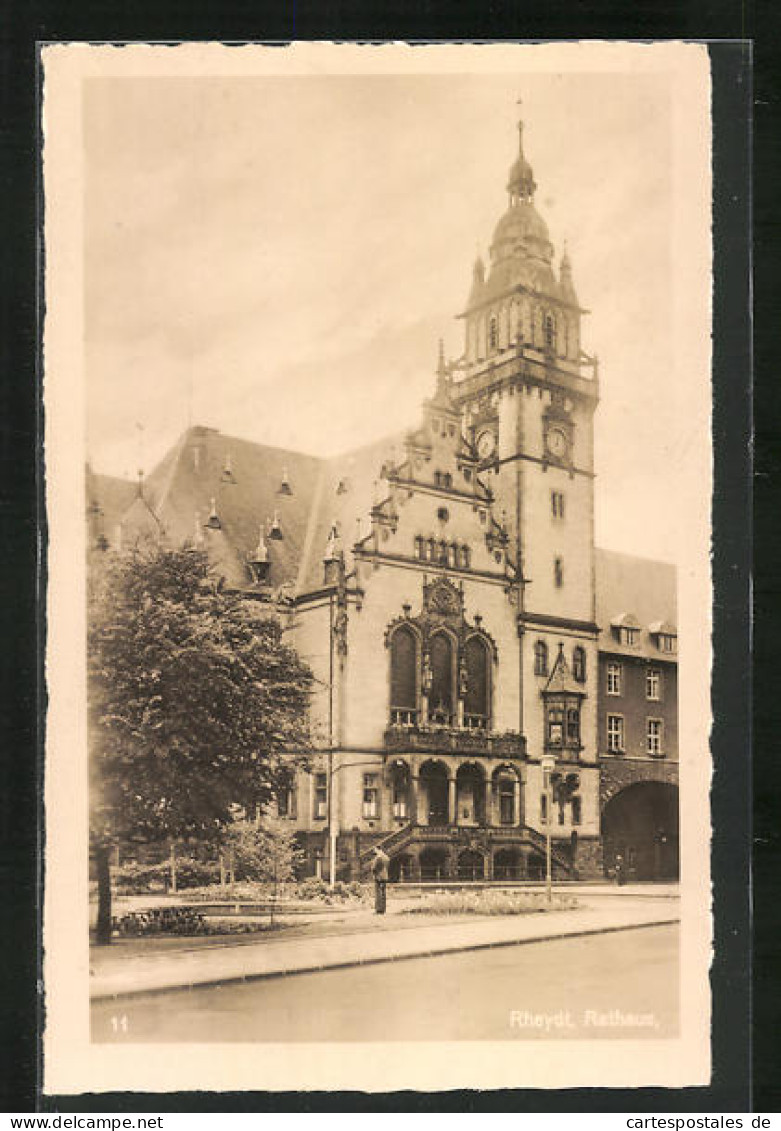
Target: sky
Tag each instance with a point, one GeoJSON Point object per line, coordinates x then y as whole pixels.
{"type": "Point", "coordinates": [278, 256]}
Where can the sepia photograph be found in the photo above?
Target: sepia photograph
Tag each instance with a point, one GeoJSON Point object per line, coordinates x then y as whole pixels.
{"type": "Point", "coordinates": [378, 460]}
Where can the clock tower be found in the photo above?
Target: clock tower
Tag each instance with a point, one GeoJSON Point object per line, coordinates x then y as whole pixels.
{"type": "Point", "coordinates": [528, 393]}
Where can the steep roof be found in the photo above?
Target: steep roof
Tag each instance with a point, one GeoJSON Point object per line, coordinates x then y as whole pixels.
{"type": "Point", "coordinates": [108, 499]}
{"type": "Point", "coordinates": [247, 486]}
{"type": "Point", "coordinates": [629, 587]}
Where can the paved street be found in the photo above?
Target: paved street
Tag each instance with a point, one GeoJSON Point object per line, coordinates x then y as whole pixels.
{"type": "Point", "coordinates": [599, 986]}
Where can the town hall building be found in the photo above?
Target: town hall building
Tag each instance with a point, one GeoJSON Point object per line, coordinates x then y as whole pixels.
{"type": "Point", "coordinates": [444, 586]}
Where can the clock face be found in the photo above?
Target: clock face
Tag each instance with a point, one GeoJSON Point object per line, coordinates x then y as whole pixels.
{"type": "Point", "coordinates": [557, 442]}
{"type": "Point", "coordinates": [486, 442]}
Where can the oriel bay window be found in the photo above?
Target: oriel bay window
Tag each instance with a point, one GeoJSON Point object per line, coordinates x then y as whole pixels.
{"type": "Point", "coordinates": [562, 723]}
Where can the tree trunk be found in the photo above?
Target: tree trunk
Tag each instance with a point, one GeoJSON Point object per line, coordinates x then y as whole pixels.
{"type": "Point", "coordinates": [103, 932]}
{"type": "Point", "coordinates": [173, 867]}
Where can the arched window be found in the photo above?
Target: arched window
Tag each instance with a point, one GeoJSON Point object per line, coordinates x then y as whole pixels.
{"type": "Point", "coordinates": [477, 709]}
{"type": "Point", "coordinates": [420, 550]}
{"type": "Point", "coordinates": [579, 664]}
{"type": "Point", "coordinates": [493, 333]}
{"type": "Point", "coordinates": [404, 679]}
{"type": "Point", "coordinates": [540, 658]}
{"type": "Point", "coordinates": [441, 698]}
{"type": "Point", "coordinates": [550, 332]}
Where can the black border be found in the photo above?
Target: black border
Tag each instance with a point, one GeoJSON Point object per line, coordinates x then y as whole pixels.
{"type": "Point", "coordinates": [23, 27]}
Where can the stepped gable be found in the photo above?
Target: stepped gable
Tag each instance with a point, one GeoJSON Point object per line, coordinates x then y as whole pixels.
{"type": "Point", "coordinates": [632, 586]}
{"type": "Point", "coordinates": [345, 495]}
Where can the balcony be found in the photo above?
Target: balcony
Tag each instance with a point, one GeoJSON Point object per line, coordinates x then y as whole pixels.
{"type": "Point", "coordinates": [454, 740]}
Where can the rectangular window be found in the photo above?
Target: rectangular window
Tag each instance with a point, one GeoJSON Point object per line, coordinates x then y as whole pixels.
{"type": "Point", "coordinates": [653, 684]}
{"type": "Point", "coordinates": [615, 733]}
{"type": "Point", "coordinates": [321, 797]}
{"type": "Point", "coordinates": [286, 801]}
{"type": "Point", "coordinates": [399, 799]}
{"type": "Point", "coordinates": [371, 796]}
{"type": "Point", "coordinates": [573, 727]}
{"type": "Point", "coordinates": [666, 643]}
{"type": "Point", "coordinates": [614, 679]}
{"type": "Point", "coordinates": [653, 732]}
{"type": "Point", "coordinates": [557, 504]}
{"type": "Point", "coordinates": [544, 808]}
{"type": "Point", "coordinates": [628, 636]}
{"type": "Point", "coordinates": [558, 572]}
{"type": "Point", "coordinates": [576, 810]}
{"type": "Point", "coordinates": [506, 809]}
{"type": "Point", "coordinates": [555, 725]}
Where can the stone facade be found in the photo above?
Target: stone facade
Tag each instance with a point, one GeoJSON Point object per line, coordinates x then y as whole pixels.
{"type": "Point", "coordinates": [444, 587]}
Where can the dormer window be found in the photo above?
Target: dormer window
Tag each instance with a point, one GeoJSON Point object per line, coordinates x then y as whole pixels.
{"type": "Point", "coordinates": [665, 635]}
{"type": "Point", "coordinates": [626, 630]}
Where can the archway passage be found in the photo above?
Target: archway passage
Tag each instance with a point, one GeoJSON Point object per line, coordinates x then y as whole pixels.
{"type": "Point", "coordinates": [507, 864]}
{"type": "Point", "coordinates": [433, 864]}
{"type": "Point", "coordinates": [641, 824]}
{"type": "Point", "coordinates": [434, 790]}
{"type": "Point", "coordinates": [470, 795]}
{"type": "Point", "coordinates": [401, 868]}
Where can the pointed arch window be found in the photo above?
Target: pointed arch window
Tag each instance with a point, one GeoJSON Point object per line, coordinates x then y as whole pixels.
{"type": "Point", "coordinates": [477, 701]}
{"type": "Point", "coordinates": [404, 679]}
{"type": "Point", "coordinates": [441, 696]}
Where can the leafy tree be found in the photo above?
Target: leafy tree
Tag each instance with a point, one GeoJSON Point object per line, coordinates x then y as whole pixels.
{"type": "Point", "coordinates": [264, 850]}
{"type": "Point", "coordinates": [196, 704]}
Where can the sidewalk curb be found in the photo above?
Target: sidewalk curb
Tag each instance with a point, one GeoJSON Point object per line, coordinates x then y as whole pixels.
{"type": "Point", "coordinates": [349, 963]}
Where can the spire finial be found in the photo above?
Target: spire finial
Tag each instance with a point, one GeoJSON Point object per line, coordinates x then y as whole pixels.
{"type": "Point", "coordinates": [521, 184]}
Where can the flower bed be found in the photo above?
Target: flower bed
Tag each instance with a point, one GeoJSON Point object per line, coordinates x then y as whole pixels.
{"type": "Point", "coordinates": [489, 903]}
{"type": "Point", "coordinates": [181, 921]}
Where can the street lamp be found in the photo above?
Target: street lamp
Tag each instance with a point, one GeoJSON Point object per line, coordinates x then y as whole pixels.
{"type": "Point", "coordinates": [548, 764]}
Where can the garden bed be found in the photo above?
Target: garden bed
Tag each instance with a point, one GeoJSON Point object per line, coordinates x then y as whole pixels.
{"type": "Point", "coordinates": [489, 902]}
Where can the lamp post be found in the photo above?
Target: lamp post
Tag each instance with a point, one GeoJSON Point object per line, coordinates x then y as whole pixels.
{"type": "Point", "coordinates": [548, 765]}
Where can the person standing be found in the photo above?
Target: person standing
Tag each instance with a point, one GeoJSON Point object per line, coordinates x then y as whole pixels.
{"type": "Point", "coordinates": [620, 872]}
{"type": "Point", "coordinates": [380, 872]}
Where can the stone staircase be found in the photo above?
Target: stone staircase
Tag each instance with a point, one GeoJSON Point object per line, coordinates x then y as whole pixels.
{"type": "Point", "coordinates": [399, 839]}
